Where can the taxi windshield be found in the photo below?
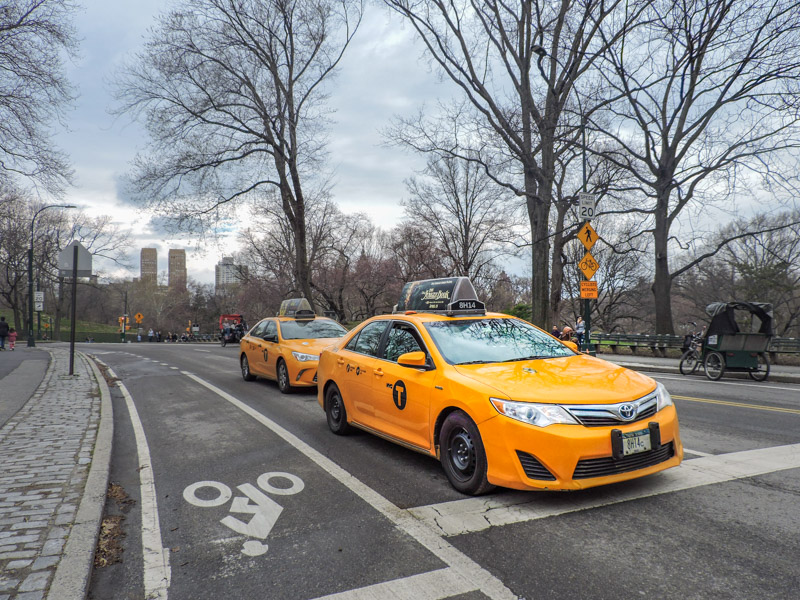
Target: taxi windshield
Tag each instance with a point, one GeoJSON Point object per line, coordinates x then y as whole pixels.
{"type": "Point", "coordinates": [476, 341]}
{"type": "Point", "coordinates": [311, 330]}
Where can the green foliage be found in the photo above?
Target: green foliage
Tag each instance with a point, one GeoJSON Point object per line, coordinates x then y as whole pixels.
{"type": "Point", "coordinates": [521, 310]}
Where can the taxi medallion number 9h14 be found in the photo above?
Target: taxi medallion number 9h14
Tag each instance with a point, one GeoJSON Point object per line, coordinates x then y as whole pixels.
{"type": "Point", "coordinates": [495, 399]}
{"type": "Point", "coordinates": [286, 348]}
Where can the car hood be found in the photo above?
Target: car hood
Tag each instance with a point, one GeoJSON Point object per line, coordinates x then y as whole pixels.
{"type": "Point", "coordinates": [578, 379]}
{"type": "Point", "coordinates": [310, 346]}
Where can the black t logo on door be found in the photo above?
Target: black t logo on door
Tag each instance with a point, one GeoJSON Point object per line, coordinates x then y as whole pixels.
{"type": "Point", "coordinates": [399, 394]}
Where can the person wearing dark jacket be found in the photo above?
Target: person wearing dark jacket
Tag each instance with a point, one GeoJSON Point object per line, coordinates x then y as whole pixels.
{"type": "Point", "coordinates": [3, 333]}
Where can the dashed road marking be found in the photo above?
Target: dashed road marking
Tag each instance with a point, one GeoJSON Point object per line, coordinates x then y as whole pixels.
{"type": "Point", "coordinates": [155, 556]}
{"type": "Point", "coordinates": [476, 514]}
{"type": "Point", "coordinates": [473, 575]}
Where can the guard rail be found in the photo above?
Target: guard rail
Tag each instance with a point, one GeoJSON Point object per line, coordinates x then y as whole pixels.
{"type": "Point", "coordinates": [659, 344]}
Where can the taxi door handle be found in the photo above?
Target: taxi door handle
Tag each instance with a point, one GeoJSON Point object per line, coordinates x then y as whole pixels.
{"type": "Point", "coordinates": [378, 372]}
{"type": "Point", "coordinates": [340, 362]}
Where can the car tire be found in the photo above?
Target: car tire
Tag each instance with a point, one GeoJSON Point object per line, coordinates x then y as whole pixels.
{"type": "Point", "coordinates": [714, 365]}
{"type": "Point", "coordinates": [762, 372]}
{"type": "Point", "coordinates": [463, 456]}
{"type": "Point", "coordinates": [283, 377]}
{"type": "Point", "coordinates": [222, 341]}
{"type": "Point", "coordinates": [245, 366]}
{"type": "Point", "coordinates": [689, 362]}
{"type": "Point", "coordinates": [335, 411]}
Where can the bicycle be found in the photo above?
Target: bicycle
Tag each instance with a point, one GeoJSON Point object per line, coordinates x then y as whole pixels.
{"type": "Point", "coordinates": [693, 357]}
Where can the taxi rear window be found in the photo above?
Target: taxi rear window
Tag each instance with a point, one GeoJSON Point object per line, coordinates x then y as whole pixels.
{"type": "Point", "coordinates": [311, 330]}
{"type": "Point", "coordinates": [476, 341]}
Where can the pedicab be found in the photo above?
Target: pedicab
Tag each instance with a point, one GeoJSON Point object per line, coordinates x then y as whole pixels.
{"type": "Point", "coordinates": [726, 347]}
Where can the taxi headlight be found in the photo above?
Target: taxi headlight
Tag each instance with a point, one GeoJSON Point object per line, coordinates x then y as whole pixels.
{"type": "Point", "coordinates": [664, 399]}
{"type": "Point", "coordinates": [540, 415]}
{"type": "Point", "coordinates": [304, 357]}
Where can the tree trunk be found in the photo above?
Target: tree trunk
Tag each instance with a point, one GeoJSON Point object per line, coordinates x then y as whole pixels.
{"type": "Point", "coordinates": [538, 213]}
{"type": "Point", "coordinates": [662, 282]}
{"type": "Point", "coordinates": [557, 268]}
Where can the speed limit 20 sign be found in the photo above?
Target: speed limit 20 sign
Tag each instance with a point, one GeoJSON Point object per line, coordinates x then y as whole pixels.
{"type": "Point", "coordinates": [586, 204]}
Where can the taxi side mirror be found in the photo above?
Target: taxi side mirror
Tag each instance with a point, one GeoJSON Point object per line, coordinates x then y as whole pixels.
{"type": "Point", "coordinates": [571, 345]}
{"type": "Point", "coordinates": [271, 338]}
{"type": "Point", "coordinates": [416, 360]}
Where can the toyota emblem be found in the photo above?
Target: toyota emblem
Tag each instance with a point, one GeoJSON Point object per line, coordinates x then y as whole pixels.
{"type": "Point", "coordinates": [627, 411]}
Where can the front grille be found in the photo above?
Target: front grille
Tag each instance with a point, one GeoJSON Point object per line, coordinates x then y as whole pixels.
{"type": "Point", "coordinates": [533, 468]}
{"type": "Point", "coordinates": [600, 467]}
{"type": "Point", "coordinates": [604, 415]}
{"type": "Point", "coordinates": [606, 420]}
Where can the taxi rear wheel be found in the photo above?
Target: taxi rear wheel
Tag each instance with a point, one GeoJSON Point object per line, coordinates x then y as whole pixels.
{"type": "Point", "coordinates": [283, 378]}
{"type": "Point", "coordinates": [246, 374]}
{"type": "Point", "coordinates": [335, 411]}
{"type": "Point", "coordinates": [462, 455]}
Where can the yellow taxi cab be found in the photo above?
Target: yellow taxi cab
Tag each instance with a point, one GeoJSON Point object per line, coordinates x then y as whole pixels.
{"type": "Point", "coordinates": [286, 348]}
{"type": "Point", "coordinates": [498, 401]}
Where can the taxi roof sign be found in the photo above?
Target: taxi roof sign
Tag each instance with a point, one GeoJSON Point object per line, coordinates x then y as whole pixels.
{"type": "Point", "coordinates": [299, 308]}
{"type": "Point", "coordinates": [451, 295]}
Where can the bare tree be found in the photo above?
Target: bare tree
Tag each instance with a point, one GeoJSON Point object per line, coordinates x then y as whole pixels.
{"type": "Point", "coordinates": [709, 109]}
{"type": "Point", "coordinates": [488, 48]}
{"type": "Point", "coordinates": [35, 36]}
{"type": "Point", "coordinates": [232, 92]}
{"type": "Point", "coordinates": [469, 216]}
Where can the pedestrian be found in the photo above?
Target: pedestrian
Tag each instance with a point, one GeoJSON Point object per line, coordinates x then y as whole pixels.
{"type": "Point", "coordinates": [3, 333]}
{"type": "Point", "coordinates": [566, 333]}
{"type": "Point", "coordinates": [580, 330]}
{"type": "Point", "coordinates": [158, 336]}
{"type": "Point", "coordinates": [556, 333]}
{"type": "Point", "coordinates": [150, 335]}
{"type": "Point", "coordinates": [12, 338]}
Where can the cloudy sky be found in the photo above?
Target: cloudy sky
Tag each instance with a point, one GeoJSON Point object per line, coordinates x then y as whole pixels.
{"type": "Point", "coordinates": [381, 76]}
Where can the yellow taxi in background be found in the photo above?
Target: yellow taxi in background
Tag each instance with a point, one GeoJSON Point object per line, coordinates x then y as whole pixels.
{"type": "Point", "coordinates": [495, 399]}
{"type": "Point", "coordinates": [286, 348]}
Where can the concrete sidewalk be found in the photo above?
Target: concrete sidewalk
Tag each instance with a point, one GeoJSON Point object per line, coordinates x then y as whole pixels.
{"type": "Point", "coordinates": [777, 373]}
{"type": "Point", "coordinates": [55, 450]}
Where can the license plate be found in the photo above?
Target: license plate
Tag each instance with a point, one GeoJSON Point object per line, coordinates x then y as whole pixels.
{"type": "Point", "coordinates": [635, 442]}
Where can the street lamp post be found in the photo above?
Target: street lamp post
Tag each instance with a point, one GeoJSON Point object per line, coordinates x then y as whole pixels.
{"type": "Point", "coordinates": [541, 54]}
{"type": "Point", "coordinates": [31, 341]}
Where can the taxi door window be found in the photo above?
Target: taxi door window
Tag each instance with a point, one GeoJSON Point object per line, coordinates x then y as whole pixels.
{"type": "Point", "coordinates": [402, 338]}
{"type": "Point", "coordinates": [369, 338]}
{"type": "Point", "coordinates": [258, 330]}
{"type": "Point", "coordinates": [271, 332]}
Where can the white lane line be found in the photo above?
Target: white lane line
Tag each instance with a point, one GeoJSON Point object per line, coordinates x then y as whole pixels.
{"type": "Point", "coordinates": [156, 557]}
{"type": "Point", "coordinates": [164, 364]}
{"type": "Point", "coordinates": [474, 576]}
{"type": "Point", "coordinates": [198, 350]}
{"type": "Point", "coordinates": [432, 585]}
{"type": "Point", "coordinates": [176, 368]}
{"type": "Point", "coordinates": [697, 452]}
{"type": "Point", "coordinates": [476, 514]}
{"type": "Point", "coordinates": [761, 386]}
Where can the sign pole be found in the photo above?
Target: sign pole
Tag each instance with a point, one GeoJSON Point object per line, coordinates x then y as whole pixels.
{"type": "Point", "coordinates": [74, 310]}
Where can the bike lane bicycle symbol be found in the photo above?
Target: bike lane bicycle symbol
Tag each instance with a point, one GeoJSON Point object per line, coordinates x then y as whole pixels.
{"type": "Point", "coordinates": [254, 502]}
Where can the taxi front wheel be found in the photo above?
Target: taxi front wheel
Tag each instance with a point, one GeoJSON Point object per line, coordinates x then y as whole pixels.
{"type": "Point", "coordinates": [283, 378]}
{"type": "Point", "coordinates": [246, 374]}
{"type": "Point", "coordinates": [335, 411]}
{"type": "Point", "coordinates": [462, 455]}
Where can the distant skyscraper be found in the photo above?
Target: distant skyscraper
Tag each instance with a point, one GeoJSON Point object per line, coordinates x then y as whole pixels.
{"type": "Point", "coordinates": [227, 273]}
{"type": "Point", "coordinates": [148, 265]}
{"type": "Point", "coordinates": [177, 269]}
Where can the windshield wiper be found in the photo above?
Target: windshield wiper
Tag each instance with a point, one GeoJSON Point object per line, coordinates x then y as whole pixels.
{"type": "Point", "coordinates": [527, 358]}
{"type": "Point", "coordinates": [476, 362]}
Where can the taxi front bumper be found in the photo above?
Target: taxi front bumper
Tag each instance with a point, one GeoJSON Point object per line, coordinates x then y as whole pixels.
{"type": "Point", "coordinates": [303, 374]}
{"type": "Point", "coordinates": [572, 457]}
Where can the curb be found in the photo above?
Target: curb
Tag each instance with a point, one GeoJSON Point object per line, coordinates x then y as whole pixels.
{"type": "Point", "coordinates": [71, 579]}
{"type": "Point", "coordinates": [773, 377]}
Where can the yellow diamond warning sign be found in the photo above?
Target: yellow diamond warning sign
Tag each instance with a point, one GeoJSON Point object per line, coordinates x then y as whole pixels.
{"type": "Point", "coordinates": [587, 235]}
{"type": "Point", "coordinates": [589, 290]}
{"type": "Point", "coordinates": [588, 266]}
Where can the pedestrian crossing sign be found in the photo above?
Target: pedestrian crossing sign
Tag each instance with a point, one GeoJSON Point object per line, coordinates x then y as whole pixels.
{"type": "Point", "coordinates": [587, 236]}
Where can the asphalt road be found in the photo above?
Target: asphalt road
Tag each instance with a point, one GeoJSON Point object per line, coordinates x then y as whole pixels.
{"type": "Point", "coordinates": [252, 497]}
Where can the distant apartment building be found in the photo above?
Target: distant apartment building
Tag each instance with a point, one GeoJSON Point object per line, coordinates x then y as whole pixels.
{"type": "Point", "coordinates": [227, 273]}
{"type": "Point", "coordinates": [177, 269]}
{"type": "Point", "coordinates": [148, 266]}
